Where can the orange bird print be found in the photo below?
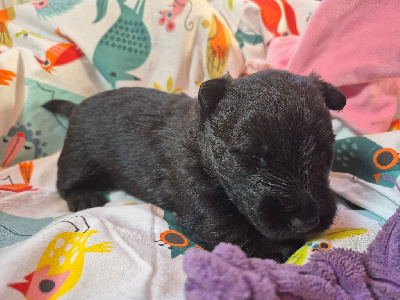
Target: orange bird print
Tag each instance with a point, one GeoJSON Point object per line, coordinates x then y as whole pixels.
{"type": "Point", "coordinates": [5, 76]}
{"type": "Point", "coordinates": [60, 267]}
{"type": "Point", "coordinates": [218, 45]}
{"type": "Point", "coordinates": [60, 54]}
{"type": "Point", "coordinates": [6, 15]}
{"type": "Point", "coordinates": [271, 14]}
{"type": "Point", "coordinates": [26, 170]}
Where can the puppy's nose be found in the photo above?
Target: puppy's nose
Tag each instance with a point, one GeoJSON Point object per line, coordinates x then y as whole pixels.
{"type": "Point", "coordinates": [304, 225]}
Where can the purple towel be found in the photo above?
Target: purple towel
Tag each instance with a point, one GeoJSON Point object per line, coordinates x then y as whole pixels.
{"type": "Point", "coordinates": [227, 273]}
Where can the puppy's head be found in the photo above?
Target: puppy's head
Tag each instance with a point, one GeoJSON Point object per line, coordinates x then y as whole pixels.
{"type": "Point", "coordinates": [268, 140]}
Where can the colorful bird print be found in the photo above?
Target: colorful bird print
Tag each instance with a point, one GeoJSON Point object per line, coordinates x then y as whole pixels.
{"type": "Point", "coordinates": [20, 144]}
{"type": "Point", "coordinates": [322, 246]}
{"type": "Point", "coordinates": [15, 229]}
{"type": "Point", "coordinates": [6, 15]}
{"type": "Point", "coordinates": [168, 16]}
{"type": "Point", "coordinates": [395, 125]}
{"type": "Point", "coordinates": [43, 131]}
{"type": "Point", "coordinates": [247, 37]}
{"type": "Point", "coordinates": [13, 147]}
{"type": "Point", "coordinates": [170, 86]}
{"type": "Point", "coordinates": [25, 33]}
{"type": "Point", "coordinates": [26, 170]}
{"type": "Point", "coordinates": [367, 160]}
{"type": "Point", "coordinates": [46, 8]}
{"type": "Point", "coordinates": [60, 267]}
{"type": "Point", "coordinates": [60, 54]}
{"type": "Point", "coordinates": [271, 15]}
{"type": "Point", "coordinates": [125, 46]}
{"type": "Point", "coordinates": [218, 45]}
{"type": "Point", "coordinates": [230, 4]}
{"type": "Point", "coordinates": [177, 238]}
{"type": "Point", "coordinates": [5, 76]}
{"type": "Point", "coordinates": [300, 255]}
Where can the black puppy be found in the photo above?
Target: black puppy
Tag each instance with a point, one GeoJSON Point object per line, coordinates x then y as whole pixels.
{"type": "Point", "coordinates": [247, 163]}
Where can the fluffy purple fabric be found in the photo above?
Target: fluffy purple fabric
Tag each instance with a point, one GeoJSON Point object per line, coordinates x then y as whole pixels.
{"type": "Point", "coordinates": [227, 273]}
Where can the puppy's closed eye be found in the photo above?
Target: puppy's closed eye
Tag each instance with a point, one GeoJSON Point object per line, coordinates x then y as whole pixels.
{"type": "Point", "coordinates": [253, 161]}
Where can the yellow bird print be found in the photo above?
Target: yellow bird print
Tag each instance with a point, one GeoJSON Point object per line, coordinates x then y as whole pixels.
{"type": "Point", "coordinates": [60, 267]}
{"type": "Point", "coordinates": [300, 255]}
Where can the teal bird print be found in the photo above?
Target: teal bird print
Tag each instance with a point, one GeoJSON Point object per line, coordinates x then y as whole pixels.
{"type": "Point", "coordinates": [15, 229]}
{"type": "Point", "coordinates": [125, 46]}
{"type": "Point", "coordinates": [247, 36]}
{"type": "Point", "coordinates": [367, 160]}
{"type": "Point", "coordinates": [51, 8]}
{"type": "Point", "coordinates": [178, 239]}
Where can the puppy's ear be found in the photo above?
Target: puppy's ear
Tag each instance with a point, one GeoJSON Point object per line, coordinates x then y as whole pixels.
{"type": "Point", "coordinates": [211, 92]}
{"type": "Point", "coordinates": [334, 99]}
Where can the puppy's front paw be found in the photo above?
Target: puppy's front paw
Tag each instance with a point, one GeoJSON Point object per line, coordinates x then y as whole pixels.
{"type": "Point", "coordinates": [275, 250]}
{"type": "Point", "coordinates": [285, 250]}
{"type": "Point", "coordinates": [83, 199]}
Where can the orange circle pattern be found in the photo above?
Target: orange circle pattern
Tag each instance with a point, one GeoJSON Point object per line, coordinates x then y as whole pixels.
{"type": "Point", "coordinates": [165, 233]}
{"type": "Point", "coordinates": [391, 164]}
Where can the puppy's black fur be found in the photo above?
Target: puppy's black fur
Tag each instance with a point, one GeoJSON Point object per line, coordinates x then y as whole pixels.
{"type": "Point", "coordinates": [247, 163]}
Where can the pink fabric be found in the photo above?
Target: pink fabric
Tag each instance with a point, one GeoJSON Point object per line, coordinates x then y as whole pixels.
{"type": "Point", "coordinates": [280, 51]}
{"type": "Point", "coordinates": [352, 44]}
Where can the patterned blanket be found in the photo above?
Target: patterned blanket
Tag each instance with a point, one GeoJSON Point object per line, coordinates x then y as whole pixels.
{"type": "Point", "coordinates": [72, 49]}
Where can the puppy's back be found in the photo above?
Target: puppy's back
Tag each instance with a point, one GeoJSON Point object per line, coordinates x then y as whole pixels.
{"type": "Point", "coordinates": [125, 133]}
